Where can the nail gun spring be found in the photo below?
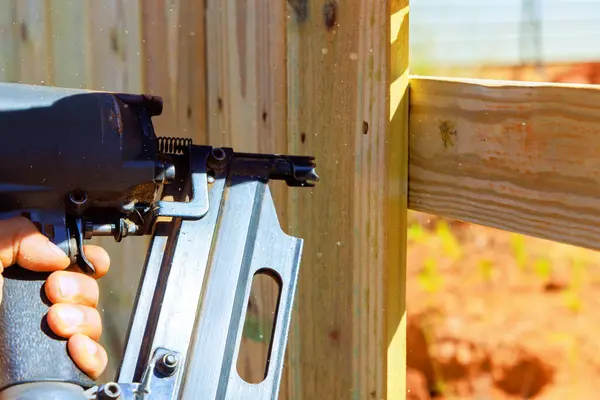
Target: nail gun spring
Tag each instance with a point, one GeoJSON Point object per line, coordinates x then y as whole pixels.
{"type": "Point", "coordinates": [173, 145]}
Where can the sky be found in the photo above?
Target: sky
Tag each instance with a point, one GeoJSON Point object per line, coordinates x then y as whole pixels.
{"type": "Point", "coordinates": [475, 32]}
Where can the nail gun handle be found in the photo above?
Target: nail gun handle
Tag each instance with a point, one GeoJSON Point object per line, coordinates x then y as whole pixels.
{"type": "Point", "coordinates": [29, 350]}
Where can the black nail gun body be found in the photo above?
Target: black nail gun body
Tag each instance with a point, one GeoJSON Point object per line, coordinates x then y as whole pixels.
{"type": "Point", "coordinates": [81, 164]}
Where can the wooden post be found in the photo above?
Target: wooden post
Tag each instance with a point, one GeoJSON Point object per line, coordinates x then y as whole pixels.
{"type": "Point", "coordinates": [397, 202]}
{"type": "Point", "coordinates": [348, 106]}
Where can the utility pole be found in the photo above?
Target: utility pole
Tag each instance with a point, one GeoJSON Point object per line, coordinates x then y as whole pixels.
{"type": "Point", "coordinates": [530, 35]}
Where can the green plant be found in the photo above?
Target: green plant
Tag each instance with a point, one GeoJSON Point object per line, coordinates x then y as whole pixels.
{"type": "Point", "coordinates": [572, 297]}
{"type": "Point", "coordinates": [518, 247]}
{"type": "Point", "coordinates": [543, 268]}
{"type": "Point", "coordinates": [430, 278]}
{"type": "Point", "coordinates": [450, 245]}
{"type": "Point", "coordinates": [572, 300]}
{"type": "Point", "coordinates": [416, 233]}
{"type": "Point", "coordinates": [486, 269]}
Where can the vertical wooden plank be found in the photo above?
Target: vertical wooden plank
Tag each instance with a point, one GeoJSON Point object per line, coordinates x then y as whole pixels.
{"type": "Point", "coordinates": [35, 52]}
{"type": "Point", "coordinates": [115, 45]}
{"type": "Point", "coordinates": [348, 107]}
{"type": "Point", "coordinates": [291, 384]}
{"type": "Point", "coordinates": [158, 50]}
{"type": "Point", "coordinates": [174, 65]}
{"type": "Point", "coordinates": [67, 43]}
{"type": "Point", "coordinates": [397, 202]}
{"type": "Point", "coordinates": [246, 74]}
{"type": "Point", "coordinates": [232, 71]}
{"type": "Point", "coordinates": [190, 84]}
{"type": "Point", "coordinates": [247, 110]}
{"type": "Point", "coordinates": [156, 53]}
{"type": "Point", "coordinates": [9, 42]}
{"type": "Point", "coordinates": [325, 94]}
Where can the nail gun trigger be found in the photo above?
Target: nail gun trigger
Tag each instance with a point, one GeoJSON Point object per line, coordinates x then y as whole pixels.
{"type": "Point", "coordinates": [81, 259]}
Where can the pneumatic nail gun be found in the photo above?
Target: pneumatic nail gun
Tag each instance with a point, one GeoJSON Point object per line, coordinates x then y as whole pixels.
{"type": "Point", "coordinates": [81, 164]}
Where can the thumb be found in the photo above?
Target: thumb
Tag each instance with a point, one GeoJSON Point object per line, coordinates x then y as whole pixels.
{"type": "Point", "coordinates": [21, 243]}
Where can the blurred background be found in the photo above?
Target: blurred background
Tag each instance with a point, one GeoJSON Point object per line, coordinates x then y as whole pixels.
{"type": "Point", "coordinates": [495, 315]}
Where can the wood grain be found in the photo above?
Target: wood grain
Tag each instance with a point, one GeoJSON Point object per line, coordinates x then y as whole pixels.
{"type": "Point", "coordinates": [67, 21]}
{"type": "Point", "coordinates": [522, 157]}
{"type": "Point", "coordinates": [174, 65]}
{"type": "Point", "coordinates": [35, 55]}
{"type": "Point", "coordinates": [157, 50]}
{"type": "Point", "coordinates": [347, 93]}
{"type": "Point", "coordinates": [394, 217]}
{"type": "Point", "coordinates": [114, 42]}
{"type": "Point", "coordinates": [324, 78]}
{"type": "Point", "coordinates": [9, 42]}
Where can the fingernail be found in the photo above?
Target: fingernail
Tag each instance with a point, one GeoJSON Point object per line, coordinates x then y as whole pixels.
{"type": "Point", "coordinates": [71, 316]}
{"type": "Point", "coordinates": [56, 249]}
{"type": "Point", "coordinates": [67, 286]}
{"type": "Point", "coordinates": [90, 347]}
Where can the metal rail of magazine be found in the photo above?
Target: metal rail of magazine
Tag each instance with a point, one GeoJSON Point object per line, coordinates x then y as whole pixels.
{"type": "Point", "coordinates": [81, 164]}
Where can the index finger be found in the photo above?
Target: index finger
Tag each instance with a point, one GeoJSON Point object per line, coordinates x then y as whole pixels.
{"type": "Point", "coordinates": [21, 243]}
{"type": "Point", "coordinates": [98, 257]}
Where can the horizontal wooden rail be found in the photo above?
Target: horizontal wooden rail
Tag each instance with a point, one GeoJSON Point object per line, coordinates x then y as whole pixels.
{"type": "Point", "coordinates": [518, 156]}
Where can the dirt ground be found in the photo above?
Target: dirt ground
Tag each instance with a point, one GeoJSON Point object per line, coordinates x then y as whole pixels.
{"type": "Point", "coordinates": [494, 315]}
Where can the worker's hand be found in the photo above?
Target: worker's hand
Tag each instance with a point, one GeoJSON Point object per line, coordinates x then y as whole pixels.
{"type": "Point", "coordinates": [74, 295]}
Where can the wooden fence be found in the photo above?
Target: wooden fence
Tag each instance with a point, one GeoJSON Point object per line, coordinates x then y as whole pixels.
{"type": "Point", "coordinates": [327, 78]}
